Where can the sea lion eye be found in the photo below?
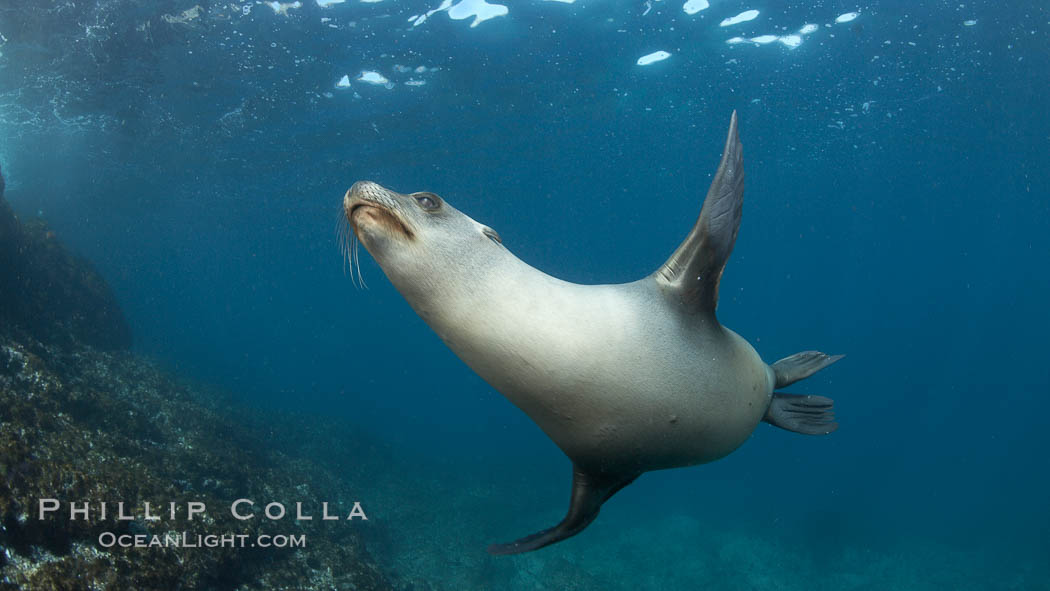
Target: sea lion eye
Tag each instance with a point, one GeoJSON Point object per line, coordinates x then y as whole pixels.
{"type": "Point", "coordinates": [428, 201]}
{"type": "Point", "coordinates": [493, 236]}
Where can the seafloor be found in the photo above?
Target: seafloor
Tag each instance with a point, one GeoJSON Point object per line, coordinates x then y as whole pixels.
{"type": "Point", "coordinates": [83, 419]}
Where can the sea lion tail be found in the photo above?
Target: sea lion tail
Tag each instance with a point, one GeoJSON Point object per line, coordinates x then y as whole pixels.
{"type": "Point", "coordinates": [800, 366]}
{"type": "Point", "coordinates": [800, 413]}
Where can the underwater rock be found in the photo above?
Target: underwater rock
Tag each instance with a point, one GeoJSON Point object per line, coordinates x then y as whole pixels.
{"type": "Point", "coordinates": [51, 295]}
{"type": "Point", "coordinates": [79, 425]}
{"type": "Point", "coordinates": [90, 433]}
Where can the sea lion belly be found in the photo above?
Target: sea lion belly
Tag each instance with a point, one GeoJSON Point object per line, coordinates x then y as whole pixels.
{"type": "Point", "coordinates": [611, 373]}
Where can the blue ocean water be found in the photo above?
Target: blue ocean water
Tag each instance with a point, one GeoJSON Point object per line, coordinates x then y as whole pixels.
{"type": "Point", "coordinates": [896, 211]}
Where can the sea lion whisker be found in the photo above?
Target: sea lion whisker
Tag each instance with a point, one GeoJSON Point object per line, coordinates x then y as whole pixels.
{"type": "Point", "coordinates": [343, 229]}
{"type": "Point", "coordinates": [351, 258]}
{"type": "Point", "coordinates": [357, 263]}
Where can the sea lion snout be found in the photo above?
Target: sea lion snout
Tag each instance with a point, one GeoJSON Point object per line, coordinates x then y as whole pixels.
{"type": "Point", "coordinates": [367, 193]}
{"type": "Point", "coordinates": [364, 189]}
{"type": "Point", "coordinates": [374, 210]}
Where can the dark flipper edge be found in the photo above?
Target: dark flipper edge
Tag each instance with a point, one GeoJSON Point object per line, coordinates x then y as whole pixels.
{"type": "Point", "coordinates": [809, 415]}
{"type": "Point", "coordinates": [694, 270]}
{"type": "Point", "coordinates": [589, 491]}
{"type": "Point", "coordinates": [801, 365]}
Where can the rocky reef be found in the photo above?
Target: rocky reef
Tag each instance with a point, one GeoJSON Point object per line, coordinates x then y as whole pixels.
{"type": "Point", "coordinates": [49, 294]}
{"type": "Point", "coordinates": [84, 421]}
{"type": "Point", "coordinates": [81, 425]}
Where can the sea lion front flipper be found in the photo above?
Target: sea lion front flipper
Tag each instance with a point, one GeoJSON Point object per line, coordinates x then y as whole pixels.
{"type": "Point", "coordinates": [694, 270]}
{"type": "Point", "coordinates": [801, 413]}
{"type": "Point", "coordinates": [589, 491]}
{"type": "Point", "coordinates": [801, 365]}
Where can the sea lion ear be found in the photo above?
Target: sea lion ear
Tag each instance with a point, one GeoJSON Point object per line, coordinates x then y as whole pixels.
{"type": "Point", "coordinates": [692, 273]}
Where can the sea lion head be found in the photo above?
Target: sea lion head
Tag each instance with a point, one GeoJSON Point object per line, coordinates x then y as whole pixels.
{"type": "Point", "coordinates": [423, 244]}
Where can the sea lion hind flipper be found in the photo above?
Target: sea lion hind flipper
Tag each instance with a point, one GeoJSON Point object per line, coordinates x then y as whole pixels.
{"type": "Point", "coordinates": [589, 491]}
{"type": "Point", "coordinates": [800, 366]}
{"type": "Point", "coordinates": [694, 270]}
{"type": "Point", "coordinates": [802, 413]}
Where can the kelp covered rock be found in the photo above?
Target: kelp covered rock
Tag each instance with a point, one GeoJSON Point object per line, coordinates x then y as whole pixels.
{"type": "Point", "coordinates": [81, 425]}
{"type": "Point", "coordinates": [50, 294]}
{"type": "Point", "coordinates": [83, 422]}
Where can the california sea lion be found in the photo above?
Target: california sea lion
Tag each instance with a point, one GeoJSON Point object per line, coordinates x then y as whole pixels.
{"type": "Point", "coordinates": [624, 378]}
